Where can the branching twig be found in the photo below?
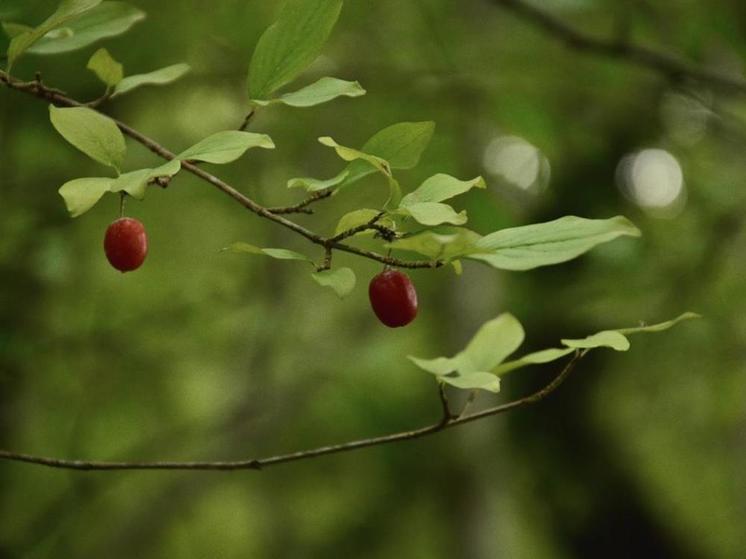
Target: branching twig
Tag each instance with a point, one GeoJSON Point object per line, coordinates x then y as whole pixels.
{"type": "Point", "coordinates": [302, 207]}
{"type": "Point", "coordinates": [662, 62]}
{"type": "Point", "coordinates": [38, 89]}
{"type": "Point", "coordinates": [260, 463]}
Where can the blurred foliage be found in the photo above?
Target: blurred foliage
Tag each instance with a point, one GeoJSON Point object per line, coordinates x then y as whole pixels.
{"type": "Point", "coordinates": [206, 355]}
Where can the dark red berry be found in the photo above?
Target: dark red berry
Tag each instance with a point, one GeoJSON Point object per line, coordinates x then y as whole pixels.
{"type": "Point", "coordinates": [126, 244]}
{"type": "Point", "coordinates": [393, 298]}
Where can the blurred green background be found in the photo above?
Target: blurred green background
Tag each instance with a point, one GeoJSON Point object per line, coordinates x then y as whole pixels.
{"type": "Point", "coordinates": [202, 355]}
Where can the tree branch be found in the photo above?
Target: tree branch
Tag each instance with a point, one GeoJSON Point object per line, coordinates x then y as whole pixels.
{"type": "Point", "coordinates": [302, 207]}
{"type": "Point", "coordinates": [260, 463]}
{"type": "Point", "coordinates": [661, 62]}
{"type": "Point", "coordinates": [41, 91]}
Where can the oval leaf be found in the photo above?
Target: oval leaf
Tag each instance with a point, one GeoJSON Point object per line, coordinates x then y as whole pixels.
{"type": "Point", "coordinates": [105, 67]}
{"type": "Point", "coordinates": [607, 338]}
{"type": "Point", "coordinates": [341, 280]}
{"type": "Point", "coordinates": [158, 77]}
{"type": "Point", "coordinates": [542, 244]}
{"type": "Point", "coordinates": [433, 213]}
{"type": "Point", "coordinates": [441, 187]}
{"type": "Point", "coordinates": [226, 146]}
{"type": "Point", "coordinates": [81, 195]}
{"type": "Point", "coordinates": [290, 44]}
{"type": "Point", "coordinates": [67, 10]}
{"type": "Point", "coordinates": [474, 381]}
{"type": "Point", "coordinates": [277, 253]}
{"type": "Point", "coordinates": [91, 132]}
{"type": "Point", "coordinates": [108, 19]}
{"type": "Point", "coordinates": [135, 183]}
{"type": "Point", "coordinates": [319, 92]}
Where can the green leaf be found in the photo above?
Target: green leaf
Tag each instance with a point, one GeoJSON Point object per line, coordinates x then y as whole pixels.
{"type": "Point", "coordinates": [315, 185]}
{"type": "Point", "coordinates": [489, 347]}
{"type": "Point", "coordinates": [441, 187]}
{"type": "Point", "coordinates": [401, 145]}
{"type": "Point", "coordinates": [474, 381]}
{"type": "Point", "coordinates": [226, 146]}
{"type": "Point", "coordinates": [441, 246]}
{"type": "Point", "coordinates": [158, 77]}
{"type": "Point", "coordinates": [81, 195]}
{"type": "Point", "coordinates": [351, 154]}
{"type": "Point", "coordinates": [660, 326]}
{"type": "Point", "coordinates": [317, 93]}
{"type": "Point", "coordinates": [134, 183]}
{"type": "Point", "coordinates": [536, 358]}
{"type": "Point", "coordinates": [290, 44]}
{"type": "Point", "coordinates": [14, 29]}
{"type": "Point", "coordinates": [341, 280]}
{"type": "Point", "coordinates": [277, 253]}
{"type": "Point", "coordinates": [67, 10]}
{"type": "Point", "coordinates": [108, 19]}
{"type": "Point", "coordinates": [542, 244]}
{"type": "Point", "coordinates": [105, 67]}
{"type": "Point", "coordinates": [91, 132]}
{"type": "Point", "coordinates": [433, 213]}
{"type": "Point", "coordinates": [607, 338]}
{"type": "Point", "coordinates": [359, 217]}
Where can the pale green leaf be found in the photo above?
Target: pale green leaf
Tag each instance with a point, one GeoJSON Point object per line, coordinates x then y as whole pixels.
{"type": "Point", "coordinates": [351, 154]}
{"type": "Point", "coordinates": [660, 326]}
{"type": "Point", "coordinates": [442, 246]}
{"type": "Point", "coordinates": [401, 145]}
{"type": "Point", "coordinates": [290, 44]}
{"type": "Point", "coordinates": [441, 187]}
{"type": "Point", "coordinates": [474, 381]}
{"type": "Point", "coordinates": [91, 132]}
{"type": "Point", "coordinates": [134, 183]}
{"type": "Point", "coordinates": [81, 195]}
{"type": "Point", "coordinates": [536, 358]}
{"type": "Point", "coordinates": [457, 267]}
{"type": "Point", "coordinates": [226, 146]}
{"type": "Point", "coordinates": [158, 77]}
{"type": "Point", "coordinates": [439, 366]}
{"type": "Point", "coordinates": [340, 280]}
{"type": "Point", "coordinates": [491, 345]}
{"type": "Point", "coordinates": [315, 185]}
{"type": "Point", "coordinates": [67, 10]}
{"type": "Point", "coordinates": [433, 213]}
{"type": "Point", "coordinates": [14, 29]}
{"type": "Point", "coordinates": [607, 338]}
{"type": "Point", "coordinates": [105, 67]}
{"type": "Point", "coordinates": [277, 253]}
{"type": "Point", "coordinates": [542, 244]}
{"type": "Point", "coordinates": [108, 19]}
{"type": "Point", "coordinates": [360, 217]}
{"type": "Point", "coordinates": [317, 93]}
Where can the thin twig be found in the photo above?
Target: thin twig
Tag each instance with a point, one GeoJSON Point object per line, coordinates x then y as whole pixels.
{"type": "Point", "coordinates": [662, 62]}
{"type": "Point", "coordinates": [302, 207]}
{"type": "Point", "coordinates": [261, 463]}
{"type": "Point", "coordinates": [247, 119]}
{"type": "Point", "coordinates": [56, 97]}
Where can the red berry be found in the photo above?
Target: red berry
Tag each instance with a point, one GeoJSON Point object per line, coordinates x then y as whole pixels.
{"type": "Point", "coordinates": [393, 298]}
{"type": "Point", "coordinates": [126, 244]}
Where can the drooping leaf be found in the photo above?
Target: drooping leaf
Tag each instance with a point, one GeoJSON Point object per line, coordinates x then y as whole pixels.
{"type": "Point", "coordinates": [81, 195]}
{"type": "Point", "coordinates": [105, 67]}
{"type": "Point", "coordinates": [67, 10]}
{"type": "Point", "coordinates": [489, 347]}
{"type": "Point", "coordinates": [135, 183]}
{"type": "Point", "coordinates": [352, 154]}
{"type": "Point", "coordinates": [542, 244]}
{"type": "Point", "coordinates": [290, 44]}
{"type": "Point", "coordinates": [277, 253]}
{"type": "Point", "coordinates": [607, 338]}
{"type": "Point", "coordinates": [317, 93]}
{"type": "Point", "coordinates": [536, 358]}
{"type": "Point", "coordinates": [108, 19]}
{"type": "Point", "coordinates": [474, 381]}
{"type": "Point", "coordinates": [226, 146]}
{"type": "Point", "coordinates": [400, 144]}
{"type": "Point", "coordinates": [341, 280]}
{"type": "Point", "coordinates": [456, 243]}
{"type": "Point", "coordinates": [660, 326]}
{"type": "Point", "coordinates": [433, 213]}
{"type": "Point", "coordinates": [91, 132]}
{"type": "Point", "coordinates": [441, 187]}
{"type": "Point", "coordinates": [315, 185]}
{"type": "Point", "coordinates": [158, 77]}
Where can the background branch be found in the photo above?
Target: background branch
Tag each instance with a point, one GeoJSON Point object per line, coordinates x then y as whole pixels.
{"type": "Point", "coordinates": [661, 62]}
